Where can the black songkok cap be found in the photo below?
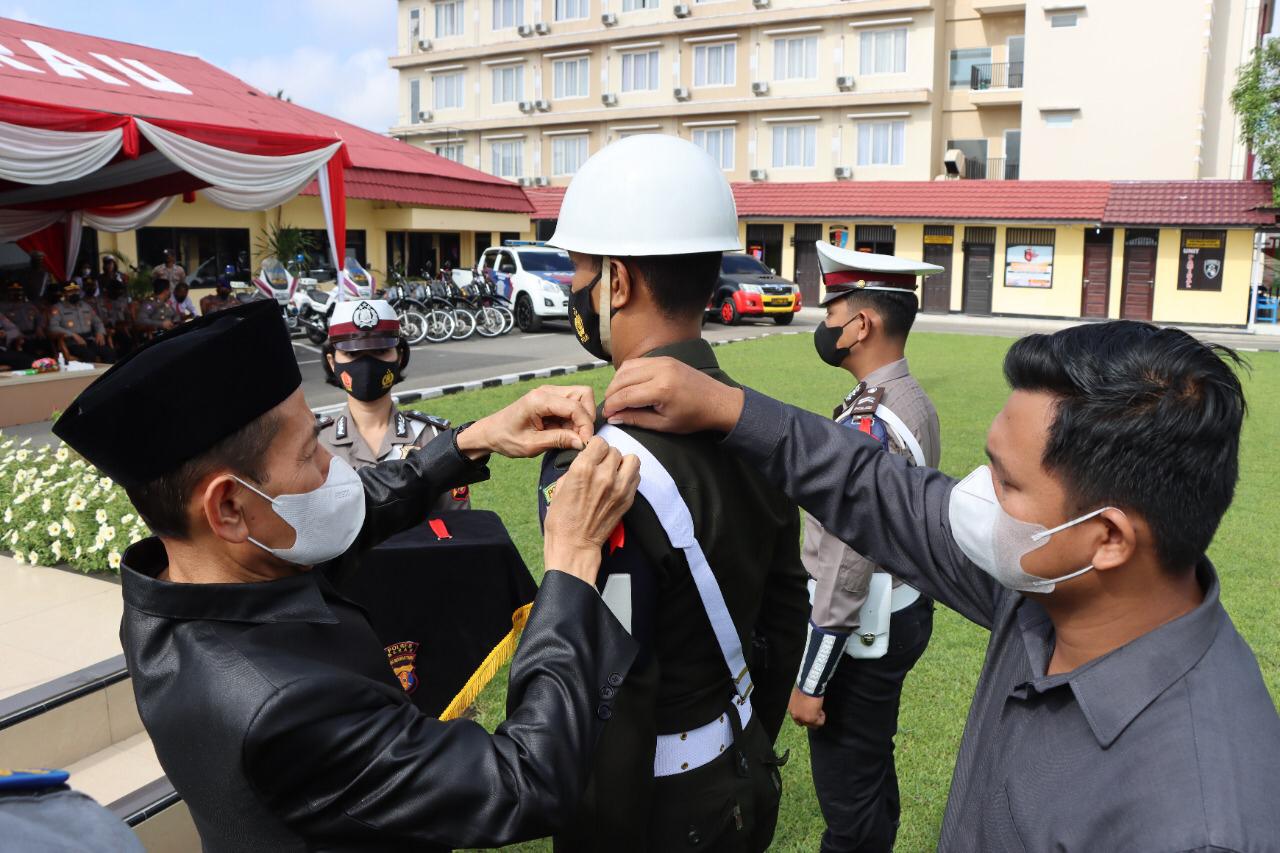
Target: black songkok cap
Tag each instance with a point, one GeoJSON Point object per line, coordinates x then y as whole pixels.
{"type": "Point", "coordinates": [173, 399]}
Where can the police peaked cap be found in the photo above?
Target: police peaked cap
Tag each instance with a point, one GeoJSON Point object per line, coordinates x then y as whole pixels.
{"type": "Point", "coordinates": [173, 399]}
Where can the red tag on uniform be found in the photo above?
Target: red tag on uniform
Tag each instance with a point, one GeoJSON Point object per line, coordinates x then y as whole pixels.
{"type": "Point", "coordinates": [438, 528]}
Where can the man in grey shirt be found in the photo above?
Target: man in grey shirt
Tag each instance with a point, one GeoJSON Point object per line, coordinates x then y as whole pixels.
{"type": "Point", "coordinates": [1118, 708]}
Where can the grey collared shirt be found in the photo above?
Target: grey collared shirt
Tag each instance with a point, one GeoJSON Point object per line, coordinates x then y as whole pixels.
{"type": "Point", "coordinates": [1169, 743]}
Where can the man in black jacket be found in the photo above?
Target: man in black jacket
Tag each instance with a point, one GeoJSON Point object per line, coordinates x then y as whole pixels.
{"type": "Point", "coordinates": [268, 697]}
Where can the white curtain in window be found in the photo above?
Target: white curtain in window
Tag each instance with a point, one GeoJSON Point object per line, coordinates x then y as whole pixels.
{"type": "Point", "coordinates": [883, 52]}
{"type": "Point", "coordinates": [508, 159]}
{"type": "Point", "coordinates": [568, 154]}
{"type": "Point", "coordinates": [449, 18]}
{"type": "Point", "coordinates": [795, 59]}
{"type": "Point", "coordinates": [718, 142]}
{"type": "Point", "coordinates": [507, 14]}
{"type": "Point", "coordinates": [569, 10]}
{"type": "Point", "coordinates": [30, 155]}
{"type": "Point", "coordinates": [448, 91]}
{"type": "Point", "coordinates": [639, 71]}
{"type": "Point", "coordinates": [508, 83]}
{"type": "Point", "coordinates": [795, 145]}
{"type": "Point", "coordinates": [881, 143]}
{"type": "Point", "coordinates": [570, 78]}
{"type": "Point", "coordinates": [714, 64]}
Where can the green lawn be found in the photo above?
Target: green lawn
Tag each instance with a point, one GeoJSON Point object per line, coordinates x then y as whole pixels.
{"type": "Point", "coordinates": [962, 374]}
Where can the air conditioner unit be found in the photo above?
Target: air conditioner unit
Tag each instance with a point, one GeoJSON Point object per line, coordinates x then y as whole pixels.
{"type": "Point", "coordinates": [760, 4]}
{"type": "Point", "coordinates": [954, 161]}
{"type": "Point", "coordinates": [845, 82]}
{"type": "Point", "coordinates": [525, 30]}
{"type": "Point", "coordinates": [682, 93]}
{"type": "Point", "coordinates": [609, 99]}
{"type": "Point", "coordinates": [759, 175]}
{"type": "Point", "coordinates": [525, 182]}
{"type": "Point", "coordinates": [609, 19]}
{"type": "Point", "coordinates": [525, 106]}
{"type": "Point", "coordinates": [424, 115]}
{"type": "Point", "coordinates": [843, 173]}
{"type": "Point", "coordinates": [542, 105]}
{"type": "Point", "coordinates": [760, 87]}
{"type": "Point", "coordinates": [424, 44]}
{"type": "Point", "coordinates": [542, 28]}
{"type": "Point", "coordinates": [682, 10]}
{"type": "Point", "coordinates": [542, 181]}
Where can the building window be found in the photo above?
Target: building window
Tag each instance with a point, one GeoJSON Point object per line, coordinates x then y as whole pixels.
{"type": "Point", "coordinates": [568, 153]}
{"type": "Point", "coordinates": [571, 78]}
{"type": "Point", "coordinates": [880, 143]}
{"type": "Point", "coordinates": [640, 71]}
{"type": "Point", "coordinates": [449, 18]}
{"type": "Point", "coordinates": [571, 10]}
{"type": "Point", "coordinates": [1201, 261]}
{"type": "Point", "coordinates": [718, 142]}
{"type": "Point", "coordinates": [715, 64]}
{"type": "Point", "coordinates": [883, 52]}
{"type": "Point", "coordinates": [795, 59]}
{"type": "Point", "coordinates": [634, 5]}
{"type": "Point", "coordinates": [508, 83]}
{"type": "Point", "coordinates": [1069, 19]}
{"type": "Point", "coordinates": [507, 14]}
{"type": "Point", "coordinates": [1059, 118]}
{"type": "Point", "coordinates": [448, 91]}
{"type": "Point", "coordinates": [415, 27]}
{"type": "Point", "coordinates": [795, 145]}
{"type": "Point", "coordinates": [452, 152]}
{"type": "Point", "coordinates": [962, 62]}
{"type": "Point", "coordinates": [415, 100]}
{"type": "Point", "coordinates": [508, 158]}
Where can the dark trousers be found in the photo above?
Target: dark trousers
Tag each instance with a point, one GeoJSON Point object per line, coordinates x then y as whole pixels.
{"type": "Point", "coordinates": [90, 351]}
{"type": "Point", "coordinates": [852, 754]}
{"type": "Point", "coordinates": [16, 359]}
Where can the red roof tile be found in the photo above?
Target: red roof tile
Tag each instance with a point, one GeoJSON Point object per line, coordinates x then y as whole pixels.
{"type": "Point", "coordinates": [1189, 203]}
{"type": "Point", "coordinates": [1113, 203]}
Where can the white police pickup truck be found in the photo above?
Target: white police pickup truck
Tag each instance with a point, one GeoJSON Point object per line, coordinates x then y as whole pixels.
{"type": "Point", "coordinates": [533, 276]}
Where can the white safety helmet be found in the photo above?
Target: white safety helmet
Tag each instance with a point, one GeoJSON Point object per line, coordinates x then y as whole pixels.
{"type": "Point", "coordinates": [649, 194]}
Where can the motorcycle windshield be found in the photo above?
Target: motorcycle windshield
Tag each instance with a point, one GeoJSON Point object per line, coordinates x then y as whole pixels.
{"type": "Point", "coordinates": [275, 274]}
{"type": "Point", "coordinates": [358, 275]}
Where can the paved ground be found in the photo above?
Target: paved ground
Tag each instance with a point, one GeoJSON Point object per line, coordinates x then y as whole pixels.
{"type": "Point", "coordinates": [440, 368]}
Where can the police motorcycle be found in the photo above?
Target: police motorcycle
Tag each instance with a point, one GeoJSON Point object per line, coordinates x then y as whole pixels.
{"type": "Point", "coordinates": [312, 305]}
{"type": "Point", "coordinates": [274, 281]}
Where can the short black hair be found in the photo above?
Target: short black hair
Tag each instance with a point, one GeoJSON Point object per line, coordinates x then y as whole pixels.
{"type": "Point", "coordinates": [162, 503]}
{"type": "Point", "coordinates": [681, 284]}
{"type": "Point", "coordinates": [1146, 419]}
{"type": "Point", "coordinates": [159, 285]}
{"type": "Point", "coordinates": [897, 310]}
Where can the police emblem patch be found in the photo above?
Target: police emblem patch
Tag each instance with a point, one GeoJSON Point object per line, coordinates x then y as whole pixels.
{"type": "Point", "coordinates": [548, 491]}
{"type": "Point", "coordinates": [403, 658]}
{"type": "Point", "coordinates": [388, 378]}
{"type": "Point", "coordinates": [461, 493]}
{"type": "Point", "coordinates": [579, 327]}
{"type": "Point", "coordinates": [364, 316]}
{"type": "Point", "coordinates": [1212, 267]}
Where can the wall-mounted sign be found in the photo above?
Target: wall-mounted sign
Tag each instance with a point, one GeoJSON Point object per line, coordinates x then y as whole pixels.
{"type": "Point", "coordinates": [1200, 264]}
{"type": "Point", "coordinates": [1027, 265]}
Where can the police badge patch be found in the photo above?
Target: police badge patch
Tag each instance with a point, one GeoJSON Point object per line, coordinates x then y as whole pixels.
{"type": "Point", "coordinates": [403, 658]}
{"type": "Point", "coordinates": [364, 316]}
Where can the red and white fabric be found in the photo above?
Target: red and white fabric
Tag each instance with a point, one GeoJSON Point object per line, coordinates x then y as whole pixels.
{"type": "Point", "coordinates": [31, 155]}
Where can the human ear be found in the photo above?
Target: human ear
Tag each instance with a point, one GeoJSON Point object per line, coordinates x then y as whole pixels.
{"type": "Point", "coordinates": [1117, 542]}
{"type": "Point", "coordinates": [222, 504]}
{"type": "Point", "coordinates": [620, 284]}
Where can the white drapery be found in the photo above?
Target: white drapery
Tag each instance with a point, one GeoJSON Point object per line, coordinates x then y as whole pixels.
{"type": "Point", "coordinates": [16, 224]}
{"type": "Point", "coordinates": [105, 220]}
{"type": "Point", "coordinates": [326, 194]}
{"type": "Point", "coordinates": [29, 155]}
{"type": "Point", "coordinates": [75, 229]}
{"type": "Point", "coordinates": [240, 181]}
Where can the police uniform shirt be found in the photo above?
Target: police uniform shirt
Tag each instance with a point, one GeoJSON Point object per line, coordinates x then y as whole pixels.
{"type": "Point", "coordinates": [405, 431]}
{"type": "Point", "coordinates": [25, 315]}
{"type": "Point", "coordinates": [78, 319]}
{"type": "Point", "coordinates": [153, 312]}
{"type": "Point", "coordinates": [842, 575]}
{"type": "Point", "coordinates": [115, 310]}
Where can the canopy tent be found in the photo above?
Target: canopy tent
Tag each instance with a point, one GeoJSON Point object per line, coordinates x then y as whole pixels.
{"type": "Point", "coordinates": [107, 134]}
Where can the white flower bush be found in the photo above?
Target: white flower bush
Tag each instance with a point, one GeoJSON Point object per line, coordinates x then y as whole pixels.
{"type": "Point", "coordinates": [58, 509]}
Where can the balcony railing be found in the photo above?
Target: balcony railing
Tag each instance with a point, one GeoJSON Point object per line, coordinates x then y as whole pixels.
{"type": "Point", "coordinates": [991, 169]}
{"type": "Point", "coordinates": [998, 75]}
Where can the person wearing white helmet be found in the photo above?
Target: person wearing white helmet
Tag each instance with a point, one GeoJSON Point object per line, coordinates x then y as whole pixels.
{"type": "Point", "coordinates": [705, 571]}
{"type": "Point", "coordinates": [366, 355]}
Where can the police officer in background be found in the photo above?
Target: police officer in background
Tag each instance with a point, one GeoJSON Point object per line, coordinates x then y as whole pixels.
{"type": "Point", "coordinates": [867, 629]}
{"type": "Point", "coordinates": [76, 327]}
{"type": "Point", "coordinates": [705, 571]}
{"type": "Point", "coordinates": [366, 356]}
{"type": "Point", "coordinates": [12, 355]}
{"type": "Point", "coordinates": [221, 298]}
{"type": "Point", "coordinates": [155, 314]}
{"type": "Point", "coordinates": [115, 308]}
{"type": "Point", "coordinates": [26, 316]}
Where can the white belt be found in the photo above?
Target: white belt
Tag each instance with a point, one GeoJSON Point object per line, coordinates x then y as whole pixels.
{"type": "Point", "coordinates": [902, 596]}
{"type": "Point", "coordinates": [680, 753]}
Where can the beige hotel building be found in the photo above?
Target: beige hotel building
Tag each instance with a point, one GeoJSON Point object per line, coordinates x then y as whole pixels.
{"type": "Point", "coordinates": [799, 90]}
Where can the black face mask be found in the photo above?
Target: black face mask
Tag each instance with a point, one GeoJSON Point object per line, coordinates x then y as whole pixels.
{"type": "Point", "coordinates": [586, 320]}
{"type": "Point", "coordinates": [74, 298]}
{"type": "Point", "coordinates": [367, 378]}
{"type": "Point", "coordinates": [824, 341]}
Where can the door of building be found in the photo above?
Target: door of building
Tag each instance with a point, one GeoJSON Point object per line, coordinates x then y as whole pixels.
{"type": "Point", "coordinates": [979, 269]}
{"type": "Point", "coordinates": [938, 244]}
{"type": "Point", "coordinates": [765, 242]}
{"type": "Point", "coordinates": [808, 275]}
{"type": "Point", "coordinates": [1096, 291]}
{"type": "Point", "coordinates": [878, 239]}
{"type": "Point", "coordinates": [1137, 293]}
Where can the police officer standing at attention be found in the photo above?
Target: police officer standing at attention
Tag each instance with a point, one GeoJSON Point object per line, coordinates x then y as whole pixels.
{"type": "Point", "coordinates": [705, 571]}
{"type": "Point", "coordinates": [366, 356]}
{"type": "Point", "coordinates": [267, 695]}
{"type": "Point", "coordinates": [867, 629]}
{"type": "Point", "coordinates": [76, 326]}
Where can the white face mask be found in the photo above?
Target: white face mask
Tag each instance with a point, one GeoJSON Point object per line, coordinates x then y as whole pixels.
{"type": "Point", "coordinates": [326, 520]}
{"type": "Point", "coordinates": [996, 541]}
